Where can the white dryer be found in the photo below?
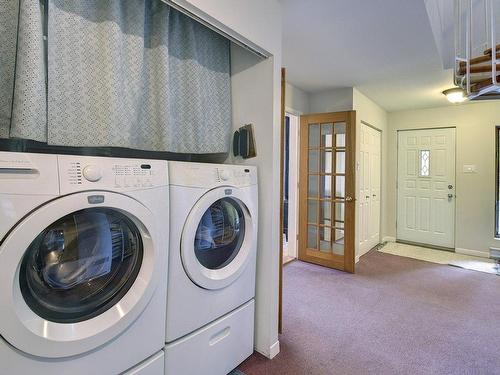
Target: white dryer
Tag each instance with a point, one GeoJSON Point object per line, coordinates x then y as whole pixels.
{"type": "Point", "coordinates": [83, 259]}
{"type": "Point", "coordinates": [212, 263]}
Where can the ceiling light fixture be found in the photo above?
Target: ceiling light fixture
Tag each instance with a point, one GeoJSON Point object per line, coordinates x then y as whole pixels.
{"type": "Point", "coordinates": [455, 95]}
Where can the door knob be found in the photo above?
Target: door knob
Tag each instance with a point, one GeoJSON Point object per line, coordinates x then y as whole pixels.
{"type": "Point", "coordinates": [450, 187]}
{"type": "Point", "coordinates": [450, 196]}
{"type": "Point", "coordinates": [348, 199]}
{"type": "Point", "coordinates": [367, 197]}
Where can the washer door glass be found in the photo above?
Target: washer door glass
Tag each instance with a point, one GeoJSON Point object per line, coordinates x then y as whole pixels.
{"type": "Point", "coordinates": [81, 265]}
{"type": "Point", "coordinates": [220, 234]}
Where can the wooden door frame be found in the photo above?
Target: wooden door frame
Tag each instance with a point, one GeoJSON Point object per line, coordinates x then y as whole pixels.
{"type": "Point", "coordinates": [347, 263]}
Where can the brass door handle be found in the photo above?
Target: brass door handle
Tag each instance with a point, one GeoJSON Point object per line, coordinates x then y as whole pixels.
{"type": "Point", "coordinates": [348, 199]}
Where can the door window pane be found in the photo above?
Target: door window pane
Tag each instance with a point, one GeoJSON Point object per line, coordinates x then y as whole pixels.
{"type": "Point", "coordinates": [312, 211]}
{"type": "Point", "coordinates": [313, 186]}
{"type": "Point", "coordinates": [339, 212]}
{"type": "Point", "coordinates": [339, 187]}
{"type": "Point", "coordinates": [326, 161]}
{"type": "Point", "coordinates": [340, 162]}
{"type": "Point", "coordinates": [339, 134]}
{"type": "Point", "coordinates": [326, 186]}
{"type": "Point", "coordinates": [325, 213]}
{"type": "Point", "coordinates": [326, 135]}
{"type": "Point", "coordinates": [314, 136]}
{"type": "Point", "coordinates": [338, 242]}
{"type": "Point", "coordinates": [313, 161]}
{"type": "Point", "coordinates": [325, 237]}
{"type": "Point", "coordinates": [425, 163]}
{"type": "Point", "coordinates": [312, 237]}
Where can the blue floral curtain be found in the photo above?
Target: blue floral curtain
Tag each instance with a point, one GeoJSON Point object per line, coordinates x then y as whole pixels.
{"type": "Point", "coordinates": [134, 74]}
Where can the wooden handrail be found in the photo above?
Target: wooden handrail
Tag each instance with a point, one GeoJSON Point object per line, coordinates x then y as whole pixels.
{"type": "Point", "coordinates": [490, 50]}
{"type": "Point", "coordinates": [477, 69]}
{"type": "Point", "coordinates": [478, 86]}
{"type": "Point", "coordinates": [479, 60]}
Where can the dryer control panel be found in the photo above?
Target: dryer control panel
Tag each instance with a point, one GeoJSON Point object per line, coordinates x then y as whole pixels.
{"type": "Point", "coordinates": [87, 172]}
{"type": "Point", "coordinates": [211, 175]}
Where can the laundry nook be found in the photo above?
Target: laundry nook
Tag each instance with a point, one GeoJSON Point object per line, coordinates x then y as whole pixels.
{"type": "Point", "coordinates": [236, 187]}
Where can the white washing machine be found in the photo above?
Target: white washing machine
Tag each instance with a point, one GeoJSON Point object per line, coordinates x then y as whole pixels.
{"type": "Point", "coordinates": [83, 262]}
{"type": "Point", "coordinates": [212, 262]}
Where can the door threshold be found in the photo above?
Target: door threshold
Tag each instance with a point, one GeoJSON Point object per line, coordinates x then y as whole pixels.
{"type": "Point", "coordinates": [427, 246]}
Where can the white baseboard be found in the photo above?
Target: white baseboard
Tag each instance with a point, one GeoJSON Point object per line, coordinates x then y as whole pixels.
{"type": "Point", "coordinates": [270, 353]}
{"type": "Point", "coordinates": [274, 350]}
{"type": "Point", "coordinates": [357, 258]}
{"type": "Point", "coordinates": [474, 253]}
{"type": "Point", "coordinates": [389, 239]}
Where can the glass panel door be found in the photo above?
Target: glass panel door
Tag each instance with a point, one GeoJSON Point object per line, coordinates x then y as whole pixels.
{"type": "Point", "coordinates": [327, 186]}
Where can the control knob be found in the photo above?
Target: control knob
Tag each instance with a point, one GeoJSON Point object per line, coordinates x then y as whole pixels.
{"type": "Point", "coordinates": [224, 175]}
{"type": "Point", "coordinates": [92, 173]}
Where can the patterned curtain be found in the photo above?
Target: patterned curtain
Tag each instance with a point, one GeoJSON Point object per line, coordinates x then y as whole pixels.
{"type": "Point", "coordinates": [23, 101]}
{"type": "Point", "coordinates": [134, 74]}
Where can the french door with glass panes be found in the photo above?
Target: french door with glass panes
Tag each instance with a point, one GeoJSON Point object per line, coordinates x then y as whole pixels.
{"type": "Point", "coordinates": [327, 185]}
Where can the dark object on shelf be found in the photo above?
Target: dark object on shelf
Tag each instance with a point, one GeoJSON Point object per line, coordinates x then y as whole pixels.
{"type": "Point", "coordinates": [244, 142]}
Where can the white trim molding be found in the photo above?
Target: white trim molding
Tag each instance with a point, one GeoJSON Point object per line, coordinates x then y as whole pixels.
{"type": "Point", "coordinates": [389, 239]}
{"type": "Point", "coordinates": [274, 350]}
{"type": "Point", "coordinates": [270, 353]}
{"type": "Point", "coordinates": [474, 253]}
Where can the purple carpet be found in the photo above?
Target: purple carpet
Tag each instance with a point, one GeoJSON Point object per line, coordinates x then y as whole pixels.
{"type": "Point", "coordinates": [395, 316]}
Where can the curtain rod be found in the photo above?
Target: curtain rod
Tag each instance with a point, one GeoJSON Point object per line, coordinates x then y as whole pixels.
{"type": "Point", "coordinates": [217, 26]}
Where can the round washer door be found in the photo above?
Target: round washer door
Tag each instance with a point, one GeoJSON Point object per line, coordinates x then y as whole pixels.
{"type": "Point", "coordinates": [76, 273]}
{"type": "Point", "coordinates": [218, 239]}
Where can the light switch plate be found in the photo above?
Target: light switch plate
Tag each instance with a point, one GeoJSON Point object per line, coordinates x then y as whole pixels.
{"type": "Point", "coordinates": [469, 168]}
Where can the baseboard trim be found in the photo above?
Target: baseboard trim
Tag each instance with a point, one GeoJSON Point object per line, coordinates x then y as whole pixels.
{"type": "Point", "coordinates": [357, 258]}
{"type": "Point", "coordinates": [475, 253]}
{"type": "Point", "coordinates": [274, 350]}
{"type": "Point", "coordinates": [389, 239]}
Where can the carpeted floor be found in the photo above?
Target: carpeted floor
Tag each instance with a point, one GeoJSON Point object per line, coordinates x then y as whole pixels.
{"type": "Point", "coordinates": [395, 316]}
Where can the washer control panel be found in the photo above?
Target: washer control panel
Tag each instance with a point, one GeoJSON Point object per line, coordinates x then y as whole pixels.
{"type": "Point", "coordinates": [87, 172]}
{"type": "Point", "coordinates": [210, 175]}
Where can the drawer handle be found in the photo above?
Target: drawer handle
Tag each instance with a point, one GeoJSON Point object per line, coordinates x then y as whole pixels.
{"type": "Point", "coordinates": [219, 336]}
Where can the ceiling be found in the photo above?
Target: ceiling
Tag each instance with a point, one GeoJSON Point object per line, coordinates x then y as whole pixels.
{"type": "Point", "coordinates": [385, 48]}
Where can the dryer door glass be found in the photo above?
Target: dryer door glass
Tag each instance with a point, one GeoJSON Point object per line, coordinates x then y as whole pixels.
{"type": "Point", "coordinates": [81, 265]}
{"type": "Point", "coordinates": [220, 234]}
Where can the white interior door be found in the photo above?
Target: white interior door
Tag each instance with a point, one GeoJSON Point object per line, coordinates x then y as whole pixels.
{"type": "Point", "coordinates": [369, 194]}
{"type": "Point", "coordinates": [426, 187]}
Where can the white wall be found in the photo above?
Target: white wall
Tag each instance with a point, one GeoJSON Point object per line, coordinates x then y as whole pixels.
{"type": "Point", "coordinates": [252, 88]}
{"type": "Point", "coordinates": [296, 100]}
{"type": "Point", "coordinates": [371, 113]}
{"type": "Point", "coordinates": [337, 100]}
{"type": "Point", "coordinates": [257, 100]}
{"type": "Point", "coordinates": [475, 202]}
{"type": "Point", "coordinates": [258, 20]}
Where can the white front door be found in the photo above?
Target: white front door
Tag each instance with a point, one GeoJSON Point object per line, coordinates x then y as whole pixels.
{"type": "Point", "coordinates": [369, 190]}
{"type": "Point", "coordinates": [426, 186]}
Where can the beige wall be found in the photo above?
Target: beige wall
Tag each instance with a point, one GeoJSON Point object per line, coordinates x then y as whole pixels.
{"type": "Point", "coordinates": [296, 100]}
{"type": "Point", "coordinates": [475, 132]}
{"type": "Point", "coordinates": [337, 100]}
